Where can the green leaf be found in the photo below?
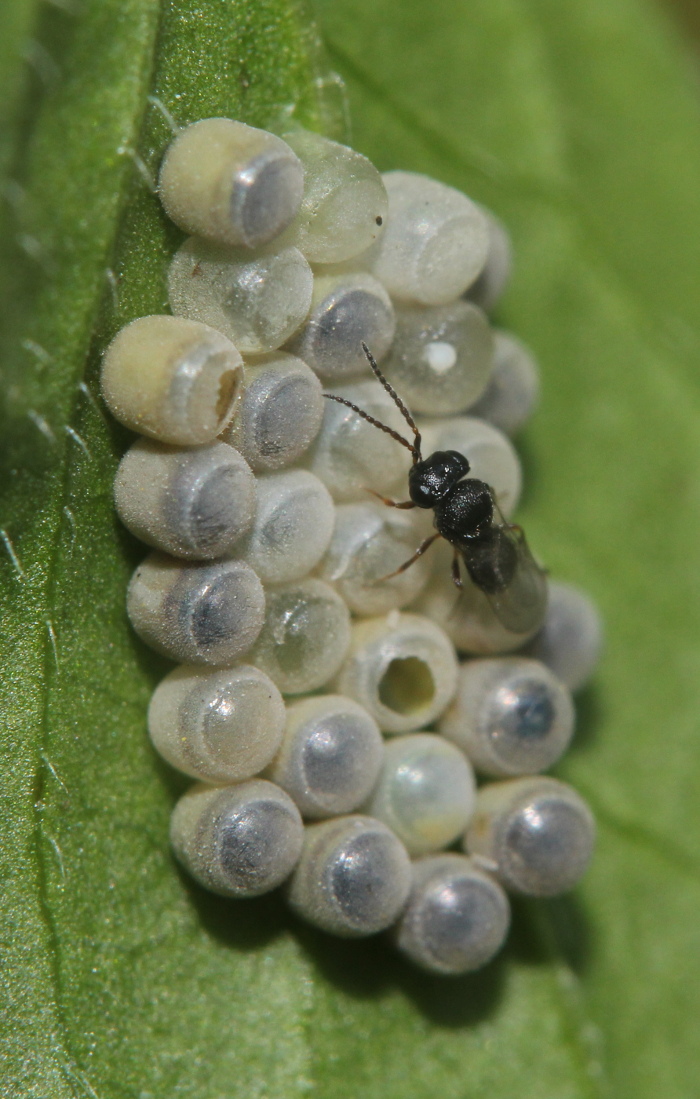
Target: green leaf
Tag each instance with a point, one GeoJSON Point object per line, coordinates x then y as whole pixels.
{"type": "Point", "coordinates": [578, 123]}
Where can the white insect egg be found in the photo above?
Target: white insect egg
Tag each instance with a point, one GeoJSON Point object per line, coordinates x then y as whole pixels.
{"type": "Point", "coordinates": [350, 455]}
{"type": "Point", "coordinates": [188, 502]}
{"type": "Point", "coordinates": [240, 841]}
{"type": "Point", "coordinates": [425, 793]}
{"type": "Point", "coordinates": [345, 310]}
{"type": "Point", "coordinates": [441, 357]}
{"type": "Point", "coordinates": [491, 455]}
{"type": "Point", "coordinates": [305, 636]}
{"type": "Point", "coordinates": [353, 877]}
{"type": "Point", "coordinates": [400, 667]}
{"type": "Point", "coordinates": [466, 616]}
{"type": "Point", "coordinates": [510, 715]}
{"type": "Point", "coordinates": [535, 834]}
{"type": "Point", "coordinates": [369, 542]}
{"type": "Point", "coordinates": [175, 380]}
{"type": "Point", "coordinates": [230, 182]}
{"type": "Point", "coordinates": [571, 638]}
{"type": "Point", "coordinates": [512, 390]}
{"type": "Point", "coordinates": [494, 278]}
{"type": "Point", "coordinates": [456, 919]}
{"type": "Point", "coordinates": [257, 299]}
{"type": "Point", "coordinates": [345, 202]}
{"type": "Point", "coordinates": [279, 412]}
{"type": "Point", "coordinates": [330, 756]}
{"type": "Point", "coordinates": [196, 614]}
{"type": "Point", "coordinates": [219, 726]}
{"type": "Point", "coordinates": [435, 243]}
{"type": "Point", "coordinates": [292, 528]}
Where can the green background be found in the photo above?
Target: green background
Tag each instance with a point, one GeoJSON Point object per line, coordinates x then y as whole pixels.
{"type": "Point", "coordinates": [578, 123]}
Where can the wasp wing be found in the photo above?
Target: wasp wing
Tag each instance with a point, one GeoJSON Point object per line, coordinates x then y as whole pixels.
{"type": "Point", "coordinates": [521, 604]}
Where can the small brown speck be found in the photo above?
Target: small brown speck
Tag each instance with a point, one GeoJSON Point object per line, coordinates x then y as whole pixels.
{"type": "Point", "coordinates": [196, 270]}
{"type": "Point", "coordinates": [379, 219]}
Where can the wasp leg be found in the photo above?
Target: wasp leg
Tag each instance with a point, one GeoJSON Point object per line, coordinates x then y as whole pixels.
{"type": "Point", "coordinates": [456, 575]}
{"type": "Point", "coordinates": [407, 564]}
{"type": "Point", "coordinates": [392, 503]}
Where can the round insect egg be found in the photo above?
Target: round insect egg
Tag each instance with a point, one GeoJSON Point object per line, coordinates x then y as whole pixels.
{"type": "Point", "coordinates": [535, 834]}
{"type": "Point", "coordinates": [330, 756]}
{"type": "Point", "coordinates": [196, 614]}
{"type": "Point", "coordinates": [435, 243]}
{"type": "Point", "coordinates": [353, 877]}
{"type": "Point", "coordinates": [173, 379]}
{"type": "Point", "coordinates": [305, 636]}
{"type": "Point", "coordinates": [441, 356]}
{"type": "Point", "coordinates": [292, 528]}
{"type": "Point", "coordinates": [240, 841]}
{"type": "Point", "coordinates": [344, 205]}
{"type": "Point", "coordinates": [350, 455]}
{"type": "Point", "coordinates": [513, 387]}
{"type": "Point", "coordinates": [495, 276]}
{"type": "Point", "coordinates": [571, 637]}
{"type": "Point", "coordinates": [279, 412]}
{"type": "Point", "coordinates": [257, 299]}
{"type": "Point", "coordinates": [511, 716]}
{"type": "Point", "coordinates": [465, 615]}
{"type": "Point", "coordinates": [402, 668]}
{"type": "Point", "coordinates": [345, 310]}
{"type": "Point", "coordinates": [425, 793]}
{"type": "Point", "coordinates": [230, 182]}
{"type": "Point", "coordinates": [190, 503]}
{"type": "Point", "coordinates": [217, 726]}
{"type": "Point", "coordinates": [491, 455]}
{"type": "Point", "coordinates": [456, 919]}
{"type": "Point", "coordinates": [369, 542]}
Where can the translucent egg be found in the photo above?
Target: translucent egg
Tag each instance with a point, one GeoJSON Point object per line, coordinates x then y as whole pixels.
{"type": "Point", "coordinates": [330, 756]}
{"type": "Point", "coordinates": [510, 715]}
{"type": "Point", "coordinates": [292, 528]}
{"type": "Point", "coordinates": [279, 412]}
{"type": "Point", "coordinates": [535, 834]}
{"type": "Point", "coordinates": [240, 841]}
{"type": "Point", "coordinates": [189, 502]}
{"type": "Point", "coordinates": [494, 278]}
{"type": "Point", "coordinates": [426, 792]}
{"type": "Point", "coordinates": [230, 182]}
{"type": "Point", "coordinates": [513, 387]}
{"type": "Point", "coordinates": [466, 616]}
{"type": "Point", "coordinates": [196, 614]}
{"type": "Point", "coordinates": [256, 299]}
{"type": "Point", "coordinates": [305, 636]}
{"type": "Point", "coordinates": [353, 877]}
{"type": "Point", "coordinates": [402, 668]}
{"type": "Point", "coordinates": [490, 454]}
{"type": "Point", "coordinates": [173, 379]}
{"type": "Point", "coordinates": [350, 455]}
{"type": "Point", "coordinates": [345, 311]}
{"type": "Point", "coordinates": [344, 204]}
{"type": "Point", "coordinates": [456, 919]}
{"type": "Point", "coordinates": [441, 357]}
{"type": "Point", "coordinates": [435, 243]}
{"type": "Point", "coordinates": [218, 726]}
{"type": "Point", "coordinates": [571, 638]}
{"type": "Point", "coordinates": [370, 541]}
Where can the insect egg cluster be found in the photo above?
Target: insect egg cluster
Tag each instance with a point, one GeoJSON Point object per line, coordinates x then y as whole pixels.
{"type": "Point", "coordinates": [366, 736]}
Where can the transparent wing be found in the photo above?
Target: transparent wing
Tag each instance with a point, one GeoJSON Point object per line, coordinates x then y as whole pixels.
{"type": "Point", "coordinates": [520, 606]}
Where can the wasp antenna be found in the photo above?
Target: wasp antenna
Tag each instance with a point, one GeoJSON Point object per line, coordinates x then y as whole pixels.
{"type": "Point", "coordinates": [415, 449]}
{"type": "Point", "coordinates": [371, 420]}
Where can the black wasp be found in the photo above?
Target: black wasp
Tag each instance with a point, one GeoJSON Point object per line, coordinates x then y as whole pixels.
{"type": "Point", "coordinates": [495, 553]}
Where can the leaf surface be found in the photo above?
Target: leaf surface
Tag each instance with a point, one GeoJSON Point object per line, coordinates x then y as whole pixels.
{"type": "Point", "coordinates": [578, 124]}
